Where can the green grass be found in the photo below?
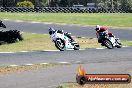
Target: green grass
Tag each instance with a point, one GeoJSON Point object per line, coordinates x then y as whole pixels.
{"type": "Point", "coordinates": [40, 42]}
{"type": "Point", "coordinates": [31, 42]}
{"type": "Point", "coordinates": [126, 42]}
{"type": "Point", "coordinates": [107, 19]}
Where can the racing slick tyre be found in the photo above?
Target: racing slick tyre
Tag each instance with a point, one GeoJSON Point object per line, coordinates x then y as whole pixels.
{"type": "Point", "coordinates": [60, 44]}
{"type": "Point", "coordinates": [108, 44]}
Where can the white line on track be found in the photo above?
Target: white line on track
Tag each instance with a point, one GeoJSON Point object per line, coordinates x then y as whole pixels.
{"type": "Point", "coordinates": [24, 51]}
{"type": "Point", "coordinates": [73, 49]}
{"type": "Point", "coordinates": [5, 19]}
{"type": "Point", "coordinates": [124, 46]}
{"type": "Point", "coordinates": [13, 65]}
{"type": "Point", "coordinates": [29, 64]}
{"type": "Point", "coordinates": [100, 48]}
{"type": "Point", "coordinates": [19, 21]}
{"type": "Point", "coordinates": [63, 62]}
{"type": "Point", "coordinates": [7, 52]}
{"type": "Point", "coordinates": [51, 50]}
{"type": "Point", "coordinates": [48, 50]}
{"type": "Point", "coordinates": [70, 49]}
{"type": "Point", "coordinates": [82, 49]}
{"type": "Point", "coordinates": [43, 63]}
{"type": "Point", "coordinates": [34, 33]}
{"type": "Point", "coordinates": [34, 22]}
{"type": "Point", "coordinates": [46, 23]}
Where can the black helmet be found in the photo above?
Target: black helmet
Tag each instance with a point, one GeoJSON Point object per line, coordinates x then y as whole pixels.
{"type": "Point", "coordinates": [51, 31]}
{"type": "Point", "coordinates": [2, 25]}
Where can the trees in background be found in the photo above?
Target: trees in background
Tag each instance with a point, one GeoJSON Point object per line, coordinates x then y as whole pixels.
{"type": "Point", "coordinates": [70, 3]}
{"type": "Point", "coordinates": [114, 3]}
{"type": "Point", "coordinates": [98, 3]}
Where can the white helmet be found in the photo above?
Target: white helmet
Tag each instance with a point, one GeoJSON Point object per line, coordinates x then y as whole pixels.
{"type": "Point", "coordinates": [97, 28]}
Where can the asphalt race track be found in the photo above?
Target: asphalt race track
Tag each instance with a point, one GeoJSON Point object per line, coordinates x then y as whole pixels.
{"type": "Point", "coordinates": [93, 60]}
{"type": "Point", "coordinates": [84, 31]}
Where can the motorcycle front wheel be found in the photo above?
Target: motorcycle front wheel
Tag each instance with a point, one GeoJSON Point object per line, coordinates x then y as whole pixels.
{"type": "Point", "coordinates": [108, 44]}
{"type": "Point", "coordinates": [60, 44]}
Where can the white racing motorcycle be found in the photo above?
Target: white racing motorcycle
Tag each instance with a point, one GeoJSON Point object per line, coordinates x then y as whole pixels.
{"type": "Point", "coordinates": [109, 42]}
{"type": "Point", "coordinates": [62, 42]}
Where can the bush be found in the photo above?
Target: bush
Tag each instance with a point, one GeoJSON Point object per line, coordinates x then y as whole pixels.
{"type": "Point", "coordinates": [26, 4]}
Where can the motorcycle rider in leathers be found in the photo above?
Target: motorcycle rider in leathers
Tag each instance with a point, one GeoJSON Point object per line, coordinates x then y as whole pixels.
{"type": "Point", "coordinates": [102, 29]}
{"type": "Point", "coordinates": [52, 31]}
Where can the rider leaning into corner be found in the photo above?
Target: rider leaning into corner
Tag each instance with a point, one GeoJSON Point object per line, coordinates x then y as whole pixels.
{"type": "Point", "coordinates": [52, 31]}
{"type": "Point", "coordinates": [102, 29]}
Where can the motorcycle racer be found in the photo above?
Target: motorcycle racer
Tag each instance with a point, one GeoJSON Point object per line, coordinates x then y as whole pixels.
{"type": "Point", "coordinates": [52, 31]}
{"type": "Point", "coordinates": [63, 41]}
{"type": "Point", "coordinates": [100, 30]}
{"type": "Point", "coordinates": [107, 38]}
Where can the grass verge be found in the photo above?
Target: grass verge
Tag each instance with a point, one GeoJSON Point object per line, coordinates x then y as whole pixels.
{"type": "Point", "coordinates": [40, 42]}
{"type": "Point", "coordinates": [88, 42]}
{"type": "Point", "coordinates": [31, 42]}
{"type": "Point", "coordinates": [108, 19]}
{"type": "Point", "coordinates": [126, 42]}
{"type": "Point", "coordinates": [75, 85]}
